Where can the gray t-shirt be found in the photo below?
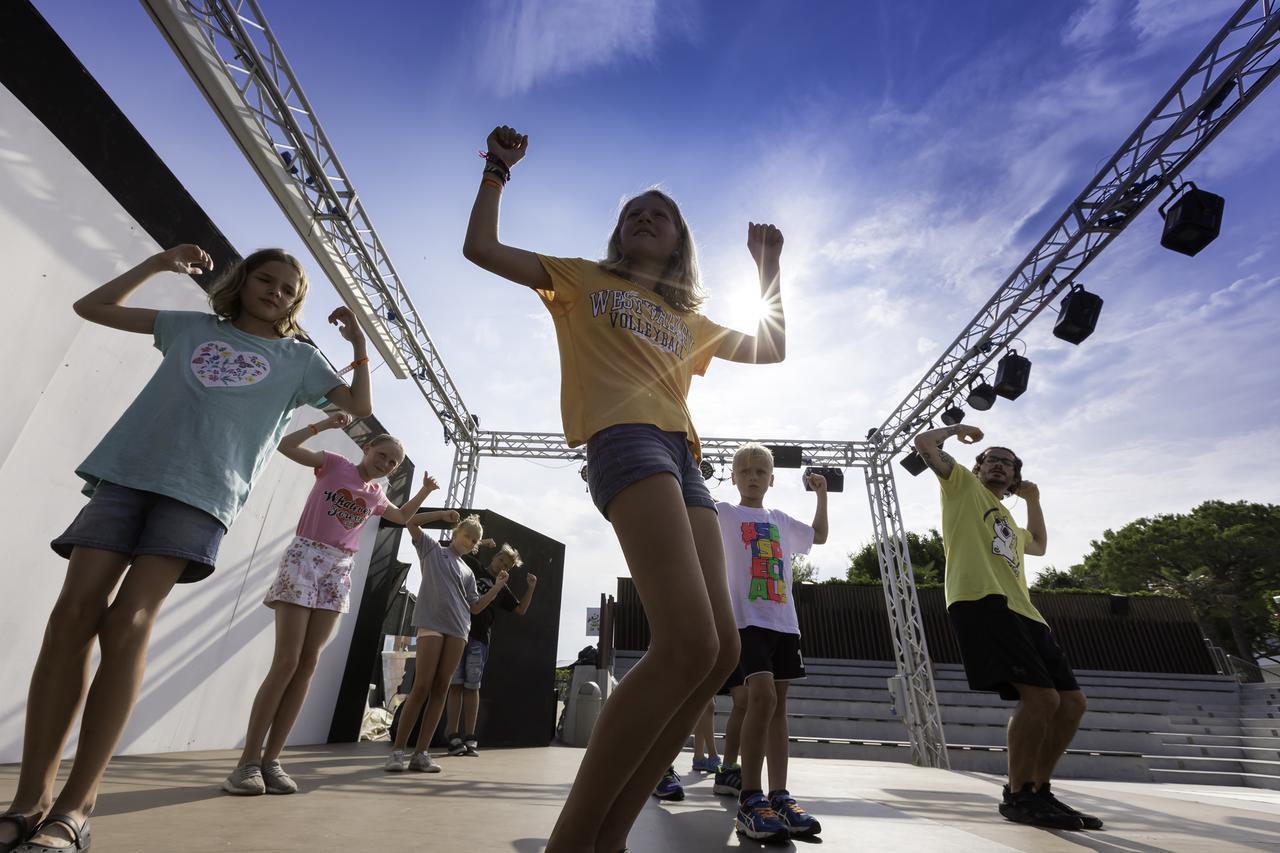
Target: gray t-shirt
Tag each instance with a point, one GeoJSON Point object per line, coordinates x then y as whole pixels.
{"type": "Point", "coordinates": [209, 420]}
{"type": "Point", "coordinates": [448, 590]}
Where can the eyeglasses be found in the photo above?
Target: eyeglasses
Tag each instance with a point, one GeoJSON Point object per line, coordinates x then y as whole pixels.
{"type": "Point", "coordinates": [996, 460]}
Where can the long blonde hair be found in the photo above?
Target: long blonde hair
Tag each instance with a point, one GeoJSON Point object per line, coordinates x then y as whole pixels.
{"type": "Point", "coordinates": [680, 285]}
{"type": "Point", "coordinates": [224, 297]}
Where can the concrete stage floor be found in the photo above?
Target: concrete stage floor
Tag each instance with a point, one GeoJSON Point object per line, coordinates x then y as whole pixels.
{"type": "Point", "coordinates": [507, 800]}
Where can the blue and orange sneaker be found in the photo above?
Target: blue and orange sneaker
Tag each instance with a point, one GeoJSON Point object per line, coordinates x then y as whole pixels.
{"type": "Point", "coordinates": [758, 821]}
{"type": "Point", "coordinates": [669, 788]}
{"type": "Point", "coordinates": [795, 819]}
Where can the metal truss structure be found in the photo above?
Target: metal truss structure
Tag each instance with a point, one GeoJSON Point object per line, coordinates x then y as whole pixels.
{"type": "Point", "coordinates": [238, 64]}
{"type": "Point", "coordinates": [1230, 72]}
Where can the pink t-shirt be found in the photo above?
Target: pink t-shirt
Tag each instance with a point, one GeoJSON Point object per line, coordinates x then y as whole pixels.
{"type": "Point", "coordinates": [339, 503]}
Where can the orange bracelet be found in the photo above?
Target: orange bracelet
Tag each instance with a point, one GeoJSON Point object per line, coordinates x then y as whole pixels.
{"type": "Point", "coordinates": [360, 361]}
{"type": "Point", "coordinates": [492, 182]}
{"type": "Point", "coordinates": [313, 429]}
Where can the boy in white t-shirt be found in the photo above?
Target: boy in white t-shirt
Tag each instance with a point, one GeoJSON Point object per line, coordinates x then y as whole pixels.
{"type": "Point", "coordinates": [758, 544]}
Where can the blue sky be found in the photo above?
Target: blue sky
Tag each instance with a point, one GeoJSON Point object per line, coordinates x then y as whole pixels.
{"type": "Point", "coordinates": [912, 155]}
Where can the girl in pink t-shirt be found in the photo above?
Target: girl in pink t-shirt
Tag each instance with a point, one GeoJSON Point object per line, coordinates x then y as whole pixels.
{"type": "Point", "coordinates": [313, 588]}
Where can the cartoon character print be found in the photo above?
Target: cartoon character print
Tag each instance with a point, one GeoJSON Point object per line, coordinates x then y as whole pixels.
{"type": "Point", "coordinates": [218, 365]}
{"type": "Point", "coordinates": [1004, 541]}
{"type": "Point", "coordinates": [764, 543]}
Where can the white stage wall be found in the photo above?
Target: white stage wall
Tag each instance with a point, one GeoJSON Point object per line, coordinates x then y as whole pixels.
{"type": "Point", "coordinates": [61, 235]}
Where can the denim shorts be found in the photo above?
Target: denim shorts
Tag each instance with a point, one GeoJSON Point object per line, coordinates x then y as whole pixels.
{"type": "Point", "coordinates": [133, 522]}
{"type": "Point", "coordinates": [620, 455]}
{"type": "Point", "coordinates": [471, 667]}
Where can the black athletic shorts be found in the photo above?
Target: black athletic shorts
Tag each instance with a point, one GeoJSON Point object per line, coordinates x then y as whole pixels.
{"type": "Point", "coordinates": [1001, 647]}
{"type": "Point", "coordinates": [765, 650]}
{"type": "Point", "coordinates": [734, 680]}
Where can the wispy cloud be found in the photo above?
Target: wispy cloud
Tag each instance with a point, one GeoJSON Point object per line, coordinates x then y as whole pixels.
{"type": "Point", "coordinates": [531, 41]}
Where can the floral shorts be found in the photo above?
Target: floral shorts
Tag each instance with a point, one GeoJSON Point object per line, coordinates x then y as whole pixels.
{"type": "Point", "coordinates": [313, 574]}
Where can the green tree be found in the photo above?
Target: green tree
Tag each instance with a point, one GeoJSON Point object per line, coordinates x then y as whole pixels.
{"type": "Point", "coordinates": [1223, 557]}
{"type": "Point", "coordinates": [802, 571]}
{"type": "Point", "coordinates": [928, 560]}
{"type": "Point", "coordinates": [1052, 579]}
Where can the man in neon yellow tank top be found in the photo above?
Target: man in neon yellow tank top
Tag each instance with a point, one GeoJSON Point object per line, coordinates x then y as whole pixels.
{"type": "Point", "coordinates": [1006, 644]}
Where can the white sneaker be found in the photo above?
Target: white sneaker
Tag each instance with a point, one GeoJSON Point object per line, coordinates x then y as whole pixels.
{"type": "Point", "coordinates": [395, 761]}
{"type": "Point", "coordinates": [245, 781]}
{"type": "Point", "coordinates": [276, 780]}
{"type": "Point", "coordinates": [422, 762]}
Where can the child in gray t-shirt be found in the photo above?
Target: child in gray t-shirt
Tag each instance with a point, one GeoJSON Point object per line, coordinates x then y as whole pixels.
{"type": "Point", "coordinates": [446, 600]}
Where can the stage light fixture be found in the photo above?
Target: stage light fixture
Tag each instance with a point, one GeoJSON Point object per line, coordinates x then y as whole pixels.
{"type": "Point", "coordinates": [914, 463]}
{"type": "Point", "coordinates": [706, 469]}
{"type": "Point", "coordinates": [786, 456]}
{"type": "Point", "coordinates": [981, 396]}
{"type": "Point", "coordinates": [1192, 219]}
{"type": "Point", "coordinates": [953, 416]}
{"type": "Point", "coordinates": [1077, 315]}
{"type": "Point", "coordinates": [1012, 373]}
{"type": "Point", "coordinates": [582, 472]}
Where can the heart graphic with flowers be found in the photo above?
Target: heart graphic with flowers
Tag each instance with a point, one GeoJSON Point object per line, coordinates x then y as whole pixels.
{"type": "Point", "coordinates": [218, 365]}
{"type": "Point", "coordinates": [348, 510]}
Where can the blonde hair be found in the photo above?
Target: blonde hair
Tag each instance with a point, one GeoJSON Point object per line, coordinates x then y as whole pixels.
{"type": "Point", "coordinates": [470, 523]}
{"type": "Point", "coordinates": [383, 438]}
{"type": "Point", "coordinates": [752, 448]}
{"type": "Point", "coordinates": [511, 553]}
{"type": "Point", "coordinates": [679, 285]}
{"type": "Point", "coordinates": [224, 297]}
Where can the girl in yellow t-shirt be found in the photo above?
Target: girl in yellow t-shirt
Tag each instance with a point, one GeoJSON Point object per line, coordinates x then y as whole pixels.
{"type": "Point", "coordinates": [630, 340]}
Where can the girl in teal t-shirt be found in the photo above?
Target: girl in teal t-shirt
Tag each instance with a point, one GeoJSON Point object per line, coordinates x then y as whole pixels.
{"type": "Point", "coordinates": [165, 482]}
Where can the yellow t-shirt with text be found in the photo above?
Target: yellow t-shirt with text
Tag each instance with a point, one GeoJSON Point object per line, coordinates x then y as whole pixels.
{"type": "Point", "coordinates": [626, 357]}
{"type": "Point", "coordinates": [984, 545]}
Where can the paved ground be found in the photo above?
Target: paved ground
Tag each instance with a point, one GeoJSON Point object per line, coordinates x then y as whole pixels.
{"type": "Point", "coordinates": [507, 800]}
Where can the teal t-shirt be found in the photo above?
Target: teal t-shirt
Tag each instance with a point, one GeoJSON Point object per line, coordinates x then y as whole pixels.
{"type": "Point", "coordinates": [207, 423]}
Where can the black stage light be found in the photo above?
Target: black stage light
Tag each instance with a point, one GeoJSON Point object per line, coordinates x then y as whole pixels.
{"type": "Point", "coordinates": [706, 469]}
{"type": "Point", "coordinates": [981, 396]}
{"type": "Point", "coordinates": [914, 463]}
{"type": "Point", "coordinates": [953, 416]}
{"type": "Point", "coordinates": [786, 456]}
{"type": "Point", "coordinates": [582, 472]}
{"type": "Point", "coordinates": [1192, 220]}
{"type": "Point", "coordinates": [1077, 315]}
{"type": "Point", "coordinates": [1012, 373]}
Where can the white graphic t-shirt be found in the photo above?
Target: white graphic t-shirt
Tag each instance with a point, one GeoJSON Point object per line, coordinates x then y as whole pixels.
{"type": "Point", "coordinates": [758, 544]}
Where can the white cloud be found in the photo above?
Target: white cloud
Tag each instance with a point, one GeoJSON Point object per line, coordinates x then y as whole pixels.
{"type": "Point", "coordinates": [1158, 19]}
{"type": "Point", "coordinates": [1093, 23]}
{"type": "Point", "coordinates": [529, 41]}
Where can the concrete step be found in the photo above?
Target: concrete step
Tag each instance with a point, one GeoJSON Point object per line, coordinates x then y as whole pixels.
{"type": "Point", "coordinates": [1198, 777]}
{"type": "Point", "coordinates": [1221, 751]}
{"type": "Point", "coordinates": [1075, 764]}
{"type": "Point", "coordinates": [946, 698]}
{"type": "Point", "coordinates": [1186, 699]}
{"type": "Point", "coordinates": [1219, 740]}
{"type": "Point", "coordinates": [958, 714]}
{"type": "Point", "coordinates": [804, 725]}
